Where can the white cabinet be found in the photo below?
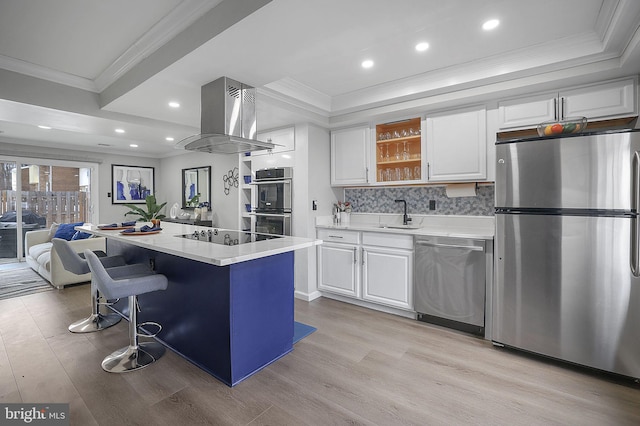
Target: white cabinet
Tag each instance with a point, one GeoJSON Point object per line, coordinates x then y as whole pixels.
{"type": "Point", "coordinates": [387, 269]}
{"type": "Point", "coordinates": [350, 156]}
{"type": "Point", "coordinates": [378, 270]}
{"type": "Point", "coordinates": [284, 139]}
{"type": "Point", "coordinates": [611, 99]}
{"type": "Point", "coordinates": [607, 100]}
{"type": "Point", "coordinates": [338, 264]}
{"type": "Point", "coordinates": [457, 146]}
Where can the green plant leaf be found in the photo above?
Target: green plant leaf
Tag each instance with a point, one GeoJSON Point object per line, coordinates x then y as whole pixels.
{"type": "Point", "coordinates": [152, 212]}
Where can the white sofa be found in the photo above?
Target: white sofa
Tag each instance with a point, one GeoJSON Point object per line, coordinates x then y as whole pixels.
{"type": "Point", "coordinates": [42, 257]}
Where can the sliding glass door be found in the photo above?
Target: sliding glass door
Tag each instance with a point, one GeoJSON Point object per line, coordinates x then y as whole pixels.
{"type": "Point", "coordinates": [36, 193]}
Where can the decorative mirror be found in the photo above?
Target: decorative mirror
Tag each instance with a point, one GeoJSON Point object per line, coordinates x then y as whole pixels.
{"type": "Point", "coordinates": [196, 187]}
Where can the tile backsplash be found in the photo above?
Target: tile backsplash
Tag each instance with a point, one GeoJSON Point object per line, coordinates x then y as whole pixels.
{"type": "Point", "coordinates": [381, 200]}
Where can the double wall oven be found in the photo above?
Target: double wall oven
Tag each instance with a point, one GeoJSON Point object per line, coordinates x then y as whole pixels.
{"type": "Point", "coordinates": [273, 206]}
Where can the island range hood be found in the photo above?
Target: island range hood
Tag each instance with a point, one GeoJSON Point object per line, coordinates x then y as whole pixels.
{"type": "Point", "coordinates": [227, 120]}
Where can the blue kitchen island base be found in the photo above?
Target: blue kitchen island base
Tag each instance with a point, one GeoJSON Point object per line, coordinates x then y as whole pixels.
{"type": "Point", "coordinates": [230, 321]}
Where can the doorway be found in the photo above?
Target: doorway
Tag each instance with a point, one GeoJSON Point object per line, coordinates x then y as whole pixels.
{"type": "Point", "coordinates": [36, 193]}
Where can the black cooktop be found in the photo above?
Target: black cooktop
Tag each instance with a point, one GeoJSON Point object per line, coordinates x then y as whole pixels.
{"type": "Point", "coordinates": [227, 237]}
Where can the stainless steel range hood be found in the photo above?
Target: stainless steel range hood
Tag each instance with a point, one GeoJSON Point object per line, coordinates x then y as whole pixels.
{"type": "Point", "coordinates": [227, 120]}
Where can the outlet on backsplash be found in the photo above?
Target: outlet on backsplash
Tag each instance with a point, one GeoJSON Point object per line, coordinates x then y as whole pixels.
{"type": "Point", "coordinates": [432, 204]}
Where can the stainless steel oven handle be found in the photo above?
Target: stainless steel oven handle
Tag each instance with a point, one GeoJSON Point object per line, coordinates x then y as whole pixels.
{"type": "Point", "coordinates": [635, 207]}
{"type": "Point", "coordinates": [473, 248]}
{"type": "Point", "coordinates": [263, 181]}
{"type": "Point", "coordinates": [271, 214]}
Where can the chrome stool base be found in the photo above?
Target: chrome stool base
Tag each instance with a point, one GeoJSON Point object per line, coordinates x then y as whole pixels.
{"type": "Point", "coordinates": [130, 359]}
{"type": "Point", "coordinates": [94, 322]}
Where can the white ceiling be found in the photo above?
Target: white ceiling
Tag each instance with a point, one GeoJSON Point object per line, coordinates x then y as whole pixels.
{"type": "Point", "coordinates": [85, 67]}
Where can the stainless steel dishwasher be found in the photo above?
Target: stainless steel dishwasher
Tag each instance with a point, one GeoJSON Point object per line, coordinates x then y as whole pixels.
{"type": "Point", "coordinates": [450, 280]}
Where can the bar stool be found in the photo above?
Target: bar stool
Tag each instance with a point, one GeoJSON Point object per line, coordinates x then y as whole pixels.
{"type": "Point", "coordinates": [77, 264]}
{"type": "Point", "coordinates": [136, 355]}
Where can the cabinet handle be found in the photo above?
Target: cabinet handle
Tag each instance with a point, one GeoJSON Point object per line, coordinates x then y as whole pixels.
{"type": "Point", "coordinates": [366, 173]}
{"type": "Point", "coordinates": [428, 171]}
{"type": "Point", "coordinates": [562, 105]}
{"type": "Point", "coordinates": [363, 257]}
{"type": "Point", "coordinates": [335, 236]}
{"type": "Point", "coordinates": [355, 255]}
{"type": "Point", "coordinates": [555, 108]}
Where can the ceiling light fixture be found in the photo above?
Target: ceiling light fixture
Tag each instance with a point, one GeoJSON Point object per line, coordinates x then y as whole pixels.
{"type": "Point", "coordinates": [490, 24]}
{"type": "Point", "coordinates": [421, 47]}
{"type": "Point", "coordinates": [44, 127]}
{"type": "Point", "coordinates": [367, 63]}
{"type": "Point", "coordinates": [133, 145]}
{"type": "Point", "coordinates": [174, 104]}
{"type": "Point", "coordinates": [169, 139]}
{"type": "Point", "coordinates": [119, 130]}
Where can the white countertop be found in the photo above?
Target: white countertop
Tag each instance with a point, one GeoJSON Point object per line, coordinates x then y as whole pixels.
{"type": "Point", "coordinates": [479, 227]}
{"type": "Point", "coordinates": [216, 254]}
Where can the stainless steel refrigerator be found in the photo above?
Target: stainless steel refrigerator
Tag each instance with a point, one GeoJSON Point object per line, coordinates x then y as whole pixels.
{"type": "Point", "coordinates": [567, 268]}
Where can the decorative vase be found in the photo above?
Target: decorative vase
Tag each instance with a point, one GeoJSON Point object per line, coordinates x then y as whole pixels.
{"type": "Point", "coordinates": [344, 218]}
{"type": "Point", "coordinates": [155, 222]}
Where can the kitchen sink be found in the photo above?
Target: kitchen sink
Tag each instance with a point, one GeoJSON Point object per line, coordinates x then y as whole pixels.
{"type": "Point", "coordinates": [398, 227]}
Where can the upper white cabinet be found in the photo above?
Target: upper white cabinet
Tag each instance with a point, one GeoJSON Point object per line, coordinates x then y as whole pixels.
{"type": "Point", "coordinates": [349, 156]}
{"type": "Point", "coordinates": [284, 139]}
{"type": "Point", "coordinates": [457, 146]}
{"type": "Point", "coordinates": [611, 99]}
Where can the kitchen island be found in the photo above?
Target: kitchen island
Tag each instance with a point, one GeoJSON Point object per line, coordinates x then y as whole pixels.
{"type": "Point", "coordinates": [228, 308]}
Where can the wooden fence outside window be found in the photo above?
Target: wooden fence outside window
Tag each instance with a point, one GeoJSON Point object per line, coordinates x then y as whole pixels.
{"type": "Point", "coordinates": [55, 206]}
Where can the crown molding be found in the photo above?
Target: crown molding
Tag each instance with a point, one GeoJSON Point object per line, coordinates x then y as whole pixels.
{"type": "Point", "coordinates": [44, 73]}
{"type": "Point", "coordinates": [584, 49]}
{"type": "Point", "coordinates": [295, 90]}
{"type": "Point", "coordinates": [180, 18]}
{"type": "Point", "coordinates": [164, 30]}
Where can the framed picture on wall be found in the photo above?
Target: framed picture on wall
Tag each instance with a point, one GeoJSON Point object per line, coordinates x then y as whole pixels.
{"type": "Point", "coordinates": [131, 184]}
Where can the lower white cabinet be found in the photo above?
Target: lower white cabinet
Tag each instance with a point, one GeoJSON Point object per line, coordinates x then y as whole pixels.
{"type": "Point", "coordinates": [339, 269]}
{"type": "Point", "coordinates": [371, 266]}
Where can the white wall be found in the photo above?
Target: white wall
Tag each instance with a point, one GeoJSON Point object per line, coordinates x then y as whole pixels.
{"type": "Point", "coordinates": [311, 182]}
{"type": "Point", "coordinates": [224, 207]}
{"type": "Point", "coordinates": [107, 212]}
{"type": "Point", "coordinates": [168, 178]}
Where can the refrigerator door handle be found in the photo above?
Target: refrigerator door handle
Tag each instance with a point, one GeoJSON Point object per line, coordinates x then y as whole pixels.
{"type": "Point", "coordinates": [635, 200]}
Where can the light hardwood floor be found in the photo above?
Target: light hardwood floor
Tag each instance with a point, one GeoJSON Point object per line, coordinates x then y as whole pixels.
{"type": "Point", "coordinates": [360, 367]}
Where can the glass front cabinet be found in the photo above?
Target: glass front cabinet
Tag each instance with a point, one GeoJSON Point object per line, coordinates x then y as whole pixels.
{"type": "Point", "coordinates": [399, 152]}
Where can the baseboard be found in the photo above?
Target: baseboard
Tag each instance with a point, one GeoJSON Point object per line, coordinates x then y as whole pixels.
{"type": "Point", "coordinates": [308, 297]}
{"type": "Point", "coordinates": [374, 306]}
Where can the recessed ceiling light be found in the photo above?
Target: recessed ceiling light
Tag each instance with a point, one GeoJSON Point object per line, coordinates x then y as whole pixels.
{"type": "Point", "coordinates": [174, 104]}
{"type": "Point", "coordinates": [119, 130]}
{"type": "Point", "coordinates": [133, 145]}
{"type": "Point", "coordinates": [44, 127]}
{"type": "Point", "coordinates": [490, 24]}
{"type": "Point", "coordinates": [169, 139]}
{"type": "Point", "coordinates": [367, 64]}
{"type": "Point", "coordinates": [421, 47]}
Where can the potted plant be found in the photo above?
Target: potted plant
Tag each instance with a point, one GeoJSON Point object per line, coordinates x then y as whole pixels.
{"type": "Point", "coordinates": [152, 214]}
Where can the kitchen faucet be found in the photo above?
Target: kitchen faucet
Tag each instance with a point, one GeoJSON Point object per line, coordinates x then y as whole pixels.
{"type": "Point", "coordinates": [405, 218]}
